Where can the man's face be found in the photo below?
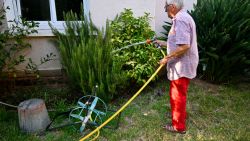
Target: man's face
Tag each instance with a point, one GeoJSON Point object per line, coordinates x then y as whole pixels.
{"type": "Point", "coordinates": [169, 8]}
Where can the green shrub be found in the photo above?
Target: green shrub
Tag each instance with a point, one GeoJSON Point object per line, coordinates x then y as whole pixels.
{"type": "Point", "coordinates": [139, 62]}
{"type": "Point", "coordinates": [87, 58]}
{"type": "Point", "coordinates": [223, 28]}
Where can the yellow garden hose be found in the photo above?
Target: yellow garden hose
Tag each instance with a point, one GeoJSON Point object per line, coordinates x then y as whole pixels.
{"type": "Point", "coordinates": [123, 107]}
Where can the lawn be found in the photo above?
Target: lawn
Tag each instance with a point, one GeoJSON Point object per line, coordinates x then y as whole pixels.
{"type": "Point", "coordinates": [215, 112]}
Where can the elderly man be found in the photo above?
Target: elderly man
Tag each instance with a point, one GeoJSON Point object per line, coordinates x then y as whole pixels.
{"type": "Point", "coordinates": [182, 61]}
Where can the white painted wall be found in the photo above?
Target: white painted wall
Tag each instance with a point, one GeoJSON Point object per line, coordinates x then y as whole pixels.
{"type": "Point", "coordinates": [108, 9]}
{"type": "Point", "coordinates": [41, 46]}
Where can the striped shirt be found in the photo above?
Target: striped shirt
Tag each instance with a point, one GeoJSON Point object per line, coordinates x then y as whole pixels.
{"type": "Point", "coordinates": [183, 31]}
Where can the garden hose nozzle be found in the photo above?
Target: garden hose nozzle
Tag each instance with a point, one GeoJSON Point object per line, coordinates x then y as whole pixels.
{"type": "Point", "coordinates": [148, 41]}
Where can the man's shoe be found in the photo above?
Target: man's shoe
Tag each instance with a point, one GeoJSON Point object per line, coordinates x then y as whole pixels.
{"type": "Point", "coordinates": [170, 128]}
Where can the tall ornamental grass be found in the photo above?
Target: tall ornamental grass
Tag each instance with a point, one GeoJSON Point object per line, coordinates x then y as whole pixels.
{"type": "Point", "coordinates": [87, 58]}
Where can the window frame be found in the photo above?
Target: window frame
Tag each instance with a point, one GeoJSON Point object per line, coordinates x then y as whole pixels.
{"type": "Point", "coordinates": [44, 29]}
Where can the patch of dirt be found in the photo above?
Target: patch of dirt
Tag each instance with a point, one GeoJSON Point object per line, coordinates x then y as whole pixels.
{"type": "Point", "coordinates": [150, 112]}
{"type": "Point", "coordinates": [129, 121]}
{"type": "Point", "coordinates": [127, 124]}
{"type": "Point", "coordinates": [213, 88]}
{"type": "Point", "coordinates": [141, 138]}
{"type": "Point", "coordinates": [55, 134]}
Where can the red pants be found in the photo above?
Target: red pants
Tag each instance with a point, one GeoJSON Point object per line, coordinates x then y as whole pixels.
{"type": "Point", "coordinates": [178, 97]}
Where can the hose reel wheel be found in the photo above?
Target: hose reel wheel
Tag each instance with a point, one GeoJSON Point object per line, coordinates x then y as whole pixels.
{"type": "Point", "coordinates": [90, 110]}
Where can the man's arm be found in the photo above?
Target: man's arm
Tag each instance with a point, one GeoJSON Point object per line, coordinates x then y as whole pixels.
{"type": "Point", "coordinates": [181, 49]}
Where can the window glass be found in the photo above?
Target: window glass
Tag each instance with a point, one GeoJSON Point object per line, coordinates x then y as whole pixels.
{"type": "Point", "coordinates": [35, 10]}
{"type": "Point", "coordinates": [67, 5]}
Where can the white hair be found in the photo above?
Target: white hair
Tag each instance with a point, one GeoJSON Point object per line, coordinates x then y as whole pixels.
{"type": "Point", "coordinates": [178, 3]}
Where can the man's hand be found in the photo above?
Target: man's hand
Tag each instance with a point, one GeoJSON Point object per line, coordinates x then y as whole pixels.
{"type": "Point", "coordinates": [164, 60]}
{"type": "Point", "coordinates": [160, 42]}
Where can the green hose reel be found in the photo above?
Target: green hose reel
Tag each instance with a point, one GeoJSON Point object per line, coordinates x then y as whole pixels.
{"type": "Point", "coordinates": [90, 110]}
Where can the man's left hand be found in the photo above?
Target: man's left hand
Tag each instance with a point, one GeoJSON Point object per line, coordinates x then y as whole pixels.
{"type": "Point", "coordinates": [164, 61]}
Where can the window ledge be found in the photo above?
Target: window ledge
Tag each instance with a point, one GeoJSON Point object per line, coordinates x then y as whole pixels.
{"type": "Point", "coordinates": [44, 29]}
{"type": "Point", "coordinates": [44, 33]}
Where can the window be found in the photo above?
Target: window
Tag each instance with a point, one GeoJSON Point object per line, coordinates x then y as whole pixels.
{"type": "Point", "coordinates": [43, 11]}
{"type": "Point", "coordinates": [67, 5]}
{"type": "Point", "coordinates": [35, 10]}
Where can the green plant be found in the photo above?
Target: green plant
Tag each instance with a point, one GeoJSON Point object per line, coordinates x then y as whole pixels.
{"type": "Point", "coordinates": [87, 58]}
{"type": "Point", "coordinates": [223, 28]}
{"type": "Point", "coordinates": [12, 43]}
{"type": "Point", "coordinates": [139, 62]}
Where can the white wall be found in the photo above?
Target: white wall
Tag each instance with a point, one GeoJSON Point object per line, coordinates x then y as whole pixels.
{"type": "Point", "coordinates": [41, 46]}
{"type": "Point", "coordinates": [108, 9]}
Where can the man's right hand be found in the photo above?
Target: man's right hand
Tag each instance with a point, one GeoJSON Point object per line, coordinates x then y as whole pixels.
{"type": "Point", "coordinates": [160, 42]}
